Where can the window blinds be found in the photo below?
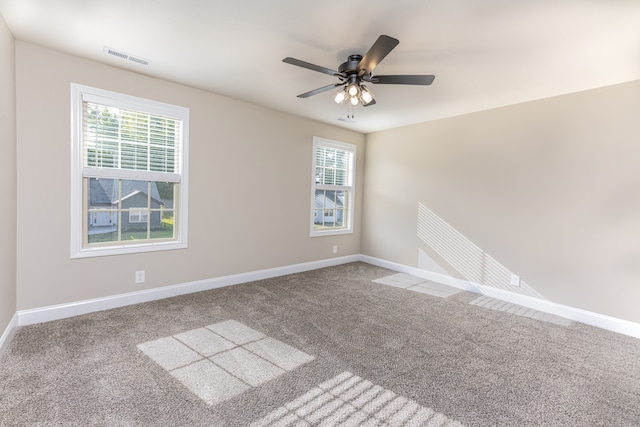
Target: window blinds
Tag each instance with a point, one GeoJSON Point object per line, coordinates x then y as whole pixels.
{"type": "Point", "coordinates": [129, 143]}
{"type": "Point", "coordinates": [333, 166]}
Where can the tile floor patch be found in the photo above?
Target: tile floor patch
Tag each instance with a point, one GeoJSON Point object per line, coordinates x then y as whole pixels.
{"type": "Point", "coordinates": [518, 310]}
{"type": "Point", "coordinates": [335, 403]}
{"type": "Point", "coordinates": [223, 360]}
{"type": "Point", "coordinates": [417, 284]}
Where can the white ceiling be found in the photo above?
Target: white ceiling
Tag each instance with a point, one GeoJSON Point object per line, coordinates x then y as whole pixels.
{"type": "Point", "coordinates": [484, 54]}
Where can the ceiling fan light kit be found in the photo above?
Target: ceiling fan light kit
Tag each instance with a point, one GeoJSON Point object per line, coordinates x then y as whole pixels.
{"type": "Point", "coordinates": [357, 94]}
{"type": "Point", "coordinates": [357, 70]}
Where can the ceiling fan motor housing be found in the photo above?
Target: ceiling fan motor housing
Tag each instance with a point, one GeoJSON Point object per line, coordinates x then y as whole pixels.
{"type": "Point", "coordinates": [351, 66]}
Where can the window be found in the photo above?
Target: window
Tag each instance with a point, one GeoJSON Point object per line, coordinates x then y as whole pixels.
{"type": "Point", "coordinates": [332, 189]}
{"type": "Point", "coordinates": [129, 174]}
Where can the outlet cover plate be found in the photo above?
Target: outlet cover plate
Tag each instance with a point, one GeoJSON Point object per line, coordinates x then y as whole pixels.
{"type": "Point", "coordinates": [515, 280]}
{"type": "Point", "coordinates": [140, 276]}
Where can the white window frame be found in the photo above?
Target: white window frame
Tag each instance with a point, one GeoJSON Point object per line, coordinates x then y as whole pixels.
{"type": "Point", "coordinates": [350, 188]}
{"type": "Point", "coordinates": [79, 93]}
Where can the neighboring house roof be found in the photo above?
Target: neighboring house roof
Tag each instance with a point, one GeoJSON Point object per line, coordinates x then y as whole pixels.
{"type": "Point", "coordinates": [97, 193]}
{"type": "Point", "coordinates": [104, 191]}
{"type": "Point", "coordinates": [328, 200]}
{"type": "Point", "coordinates": [135, 193]}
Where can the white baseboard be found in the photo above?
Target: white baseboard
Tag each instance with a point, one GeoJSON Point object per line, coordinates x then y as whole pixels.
{"type": "Point", "coordinates": [61, 311]}
{"type": "Point", "coordinates": [8, 334]}
{"type": "Point", "coordinates": [424, 274]}
{"type": "Point", "coordinates": [583, 316]}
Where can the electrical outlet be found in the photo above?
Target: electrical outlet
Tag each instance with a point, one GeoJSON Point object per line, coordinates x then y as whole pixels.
{"type": "Point", "coordinates": [515, 280]}
{"type": "Point", "coordinates": [140, 276]}
{"type": "Point", "coordinates": [335, 249]}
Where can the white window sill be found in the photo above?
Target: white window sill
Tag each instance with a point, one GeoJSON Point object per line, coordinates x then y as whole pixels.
{"type": "Point", "coordinates": [127, 249]}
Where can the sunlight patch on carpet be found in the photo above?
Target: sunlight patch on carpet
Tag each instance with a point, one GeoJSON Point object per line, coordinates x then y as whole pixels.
{"type": "Point", "coordinates": [518, 310]}
{"type": "Point", "coordinates": [417, 284]}
{"type": "Point", "coordinates": [348, 400]}
{"type": "Point", "coordinates": [223, 360]}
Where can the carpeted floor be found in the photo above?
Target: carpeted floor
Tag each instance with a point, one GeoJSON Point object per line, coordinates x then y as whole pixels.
{"type": "Point", "coordinates": [326, 347]}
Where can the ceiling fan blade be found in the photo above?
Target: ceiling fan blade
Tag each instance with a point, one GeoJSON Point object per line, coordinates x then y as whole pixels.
{"type": "Point", "coordinates": [373, 101]}
{"type": "Point", "coordinates": [402, 80]}
{"type": "Point", "coordinates": [307, 65]}
{"type": "Point", "coordinates": [376, 53]}
{"type": "Point", "coordinates": [320, 90]}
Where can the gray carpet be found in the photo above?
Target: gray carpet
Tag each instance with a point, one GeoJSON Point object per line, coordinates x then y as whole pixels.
{"type": "Point", "coordinates": [327, 347]}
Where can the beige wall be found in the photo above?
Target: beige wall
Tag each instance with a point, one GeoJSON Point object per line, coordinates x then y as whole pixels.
{"type": "Point", "coordinates": [550, 189]}
{"type": "Point", "coordinates": [245, 162]}
{"type": "Point", "coordinates": [7, 177]}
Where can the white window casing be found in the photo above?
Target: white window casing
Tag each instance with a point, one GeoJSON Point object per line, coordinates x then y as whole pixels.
{"type": "Point", "coordinates": [123, 149]}
{"type": "Point", "coordinates": [332, 187]}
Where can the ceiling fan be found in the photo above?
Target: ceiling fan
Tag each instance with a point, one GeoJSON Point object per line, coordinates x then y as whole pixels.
{"type": "Point", "coordinates": [357, 71]}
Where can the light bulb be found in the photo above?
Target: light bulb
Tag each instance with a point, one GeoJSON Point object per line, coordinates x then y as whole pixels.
{"type": "Point", "coordinates": [353, 89]}
{"type": "Point", "coordinates": [354, 100]}
{"type": "Point", "coordinates": [340, 96]}
{"type": "Point", "coordinates": [367, 95]}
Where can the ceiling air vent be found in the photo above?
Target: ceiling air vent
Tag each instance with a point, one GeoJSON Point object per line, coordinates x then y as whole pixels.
{"type": "Point", "coordinates": [124, 55]}
{"type": "Point", "coordinates": [139, 60]}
